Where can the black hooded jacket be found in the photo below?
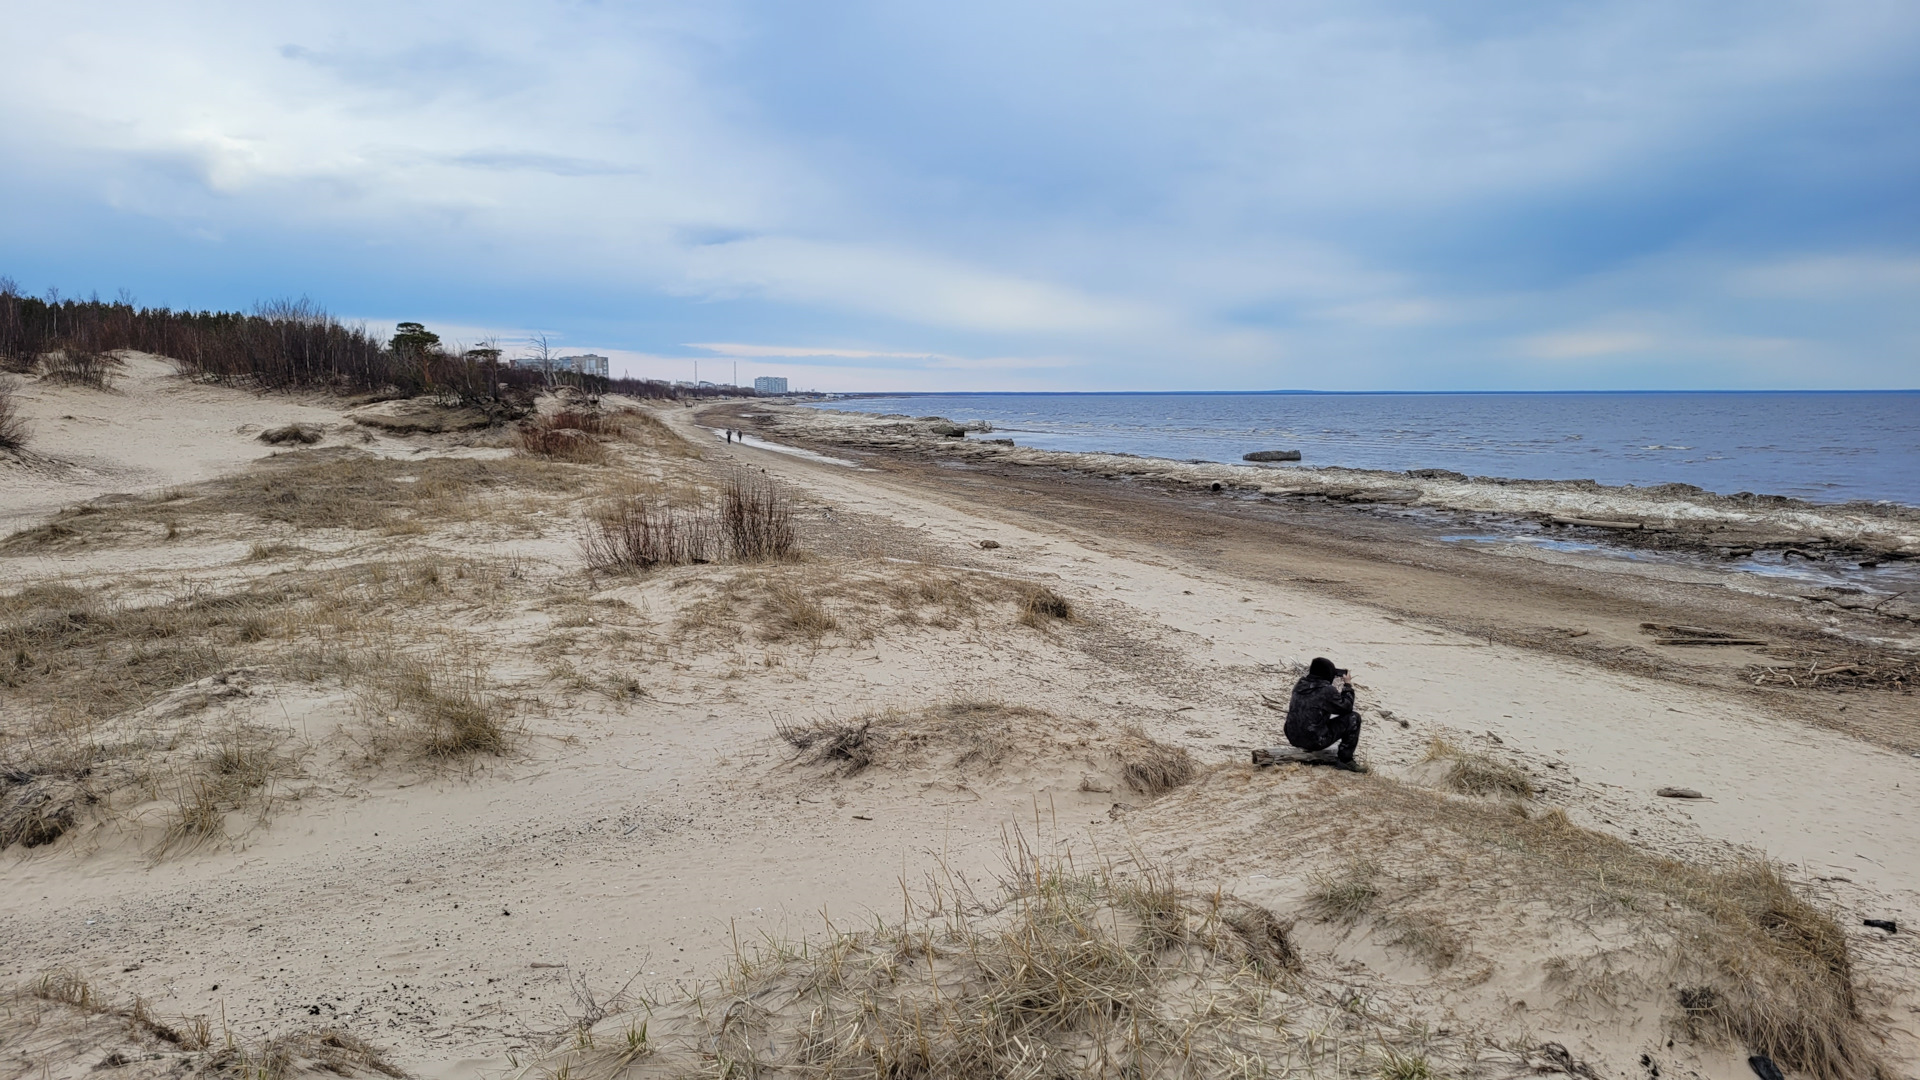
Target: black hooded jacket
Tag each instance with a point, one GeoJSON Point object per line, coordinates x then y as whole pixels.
{"type": "Point", "coordinates": [1318, 714]}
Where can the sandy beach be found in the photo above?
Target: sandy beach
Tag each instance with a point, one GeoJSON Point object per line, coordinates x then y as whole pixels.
{"type": "Point", "coordinates": [983, 659]}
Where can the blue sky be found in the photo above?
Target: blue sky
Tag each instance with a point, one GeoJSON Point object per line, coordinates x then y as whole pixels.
{"type": "Point", "coordinates": [1019, 196]}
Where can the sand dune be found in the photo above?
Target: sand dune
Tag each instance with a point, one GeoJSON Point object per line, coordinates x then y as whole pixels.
{"type": "Point", "coordinates": [351, 738]}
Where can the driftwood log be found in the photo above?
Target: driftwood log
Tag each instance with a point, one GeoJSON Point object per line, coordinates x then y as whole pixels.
{"type": "Point", "coordinates": [1597, 523]}
{"type": "Point", "coordinates": [1293, 755]}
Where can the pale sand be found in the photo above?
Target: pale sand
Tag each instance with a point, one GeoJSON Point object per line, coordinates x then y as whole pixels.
{"type": "Point", "coordinates": [647, 838]}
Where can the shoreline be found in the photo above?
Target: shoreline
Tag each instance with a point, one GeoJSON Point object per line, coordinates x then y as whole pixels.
{"type": "Point", "coordinates": [1463, 470]}
{"type": "Point", "coordinates": [1661, 516]}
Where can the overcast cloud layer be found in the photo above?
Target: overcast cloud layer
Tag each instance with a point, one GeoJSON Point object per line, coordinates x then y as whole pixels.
{"type": "Point", "coordinates": [992, 195]}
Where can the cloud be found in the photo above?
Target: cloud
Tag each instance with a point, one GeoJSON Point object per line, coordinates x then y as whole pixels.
{"type": "Point", "coordinates": [1370, 194]}
{"type": "Point", "coordinates": [760, 351]}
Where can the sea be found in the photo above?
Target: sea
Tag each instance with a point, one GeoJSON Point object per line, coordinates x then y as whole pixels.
{"type": "Point", "coordinates": [1828, 447]}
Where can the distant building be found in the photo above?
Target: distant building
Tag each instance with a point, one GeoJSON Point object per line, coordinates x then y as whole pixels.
{"type": "Point", "coordinates": [770, 384]}
{"type": "Point", "coordinates": [583, 364]}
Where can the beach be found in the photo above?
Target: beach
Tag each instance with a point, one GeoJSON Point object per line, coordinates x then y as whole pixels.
{"type": "Point", "coordinates": [1046, 655]}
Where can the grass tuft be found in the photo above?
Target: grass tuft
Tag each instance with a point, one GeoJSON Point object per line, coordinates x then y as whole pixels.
{"type": "Point", "coordinates": [1347, 896]}
{"type": "Point", "coordinates": [1040, 606]}
{"type": "Point", "coordinates": [1151, 767]}
{"type": "Point", "coordinates": [434, 710]}
{"type": "Point", "coordinates": [1479, 774]}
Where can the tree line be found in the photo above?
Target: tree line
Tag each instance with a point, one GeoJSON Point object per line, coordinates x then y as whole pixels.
{"type": "Point", "coordinates": [282, 345]}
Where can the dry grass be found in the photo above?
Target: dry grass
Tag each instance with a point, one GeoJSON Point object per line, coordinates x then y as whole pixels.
{"type": "Point", "coordinates": [1041, 607]}
{"type": "Point", "coordinates": [981, 735]}
{"type": "Point", "coordinates": [13, 426]}
{"type": "Point", "coordinates": [1347, 896]}
{"type": "Point", "coordinates": [823, 602]}
{"type": "Point", "coordinates": [319, 1052]}
{"type": "Point", "coordinates": [230, 778]}
{"type": "Point", "coordinates": [324, 488]}
{"type": "Point", "coordinates": [100, 697]}
{"type": "Point", "coordinates": [1151, 767]}
{"type": "Point", "coordinates": [1479, 774]}
{"type": "Point", "coordinates": [559, 444]}
{"type": "Point", "coordinates": [1759, 966]}
{"type": "Point", "coordinates": [578, 435]}
{"type": "Point", "coordinates": [55, 1023]}
{"type": "Point", "coordinates": [1066, 973]}
{"type": "Point", "coordinates": [292, 435]}
{"type": "Point", "coordinates": [433, 708]}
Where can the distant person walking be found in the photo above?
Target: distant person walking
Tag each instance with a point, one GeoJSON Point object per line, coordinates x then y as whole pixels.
{"type": "Point", "coordinates": [1320, 713]}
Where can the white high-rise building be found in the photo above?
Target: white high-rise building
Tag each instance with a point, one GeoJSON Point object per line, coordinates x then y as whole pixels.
{"type": "Point", "coordinates": [770, 384]}
{"type": "Point", "coordinates": [583, 364]}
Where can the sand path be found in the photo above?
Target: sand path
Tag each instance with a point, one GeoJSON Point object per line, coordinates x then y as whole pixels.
{"type": "Point", "coordinates": [1830, 804]}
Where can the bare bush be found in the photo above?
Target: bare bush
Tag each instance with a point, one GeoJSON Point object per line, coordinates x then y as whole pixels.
{"type": "Point", "coordinates": [76, 366]}
{"type": "Point", "coordinates": [756, 519]}
{"type": "Point", "coordinates": [637, 533]}
{"type": "Point", "coordinates": [13, 425]}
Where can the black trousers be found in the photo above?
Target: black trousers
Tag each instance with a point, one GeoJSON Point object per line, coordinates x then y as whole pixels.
{"type": "Point", "coordinates": [1342, 728]}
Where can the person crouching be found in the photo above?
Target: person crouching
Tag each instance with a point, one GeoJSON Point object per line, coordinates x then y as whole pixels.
{"type": "Point", "coordinates": [1320, 712]}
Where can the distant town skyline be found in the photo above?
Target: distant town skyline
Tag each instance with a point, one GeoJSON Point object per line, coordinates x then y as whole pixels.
{"type": "Point", "coordinates": [997, 196]}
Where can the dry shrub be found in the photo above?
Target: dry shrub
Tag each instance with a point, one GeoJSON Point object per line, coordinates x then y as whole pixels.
{"type": "Point", "coordinates": [1479, 774]}
{"type": "Point", "coordinates": [756, 519]}
{"type": "Point", "coordinates": [1149, 766]}
{"type": "Point", "coordinates": [75, 366]}
{"type": "Point", "coordinates": [13, 425]}
{"type": "Point", "coordinates": [637, 533]}
{"type": "Point", "coordinates": [1041, 606]}
{"type": "Point", "coordinates": [292, 434]}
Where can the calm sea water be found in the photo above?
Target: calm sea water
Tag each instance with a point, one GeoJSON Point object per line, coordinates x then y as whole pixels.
{"type": "Point", "coordinates": [1825, 447]}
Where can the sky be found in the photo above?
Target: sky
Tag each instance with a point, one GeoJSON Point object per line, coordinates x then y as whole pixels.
{"type": "Point", "coordinates": [1042, 195]}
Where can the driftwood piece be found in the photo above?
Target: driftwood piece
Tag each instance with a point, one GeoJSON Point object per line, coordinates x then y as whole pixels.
{"type": "Point", "coordinates": [1709, 641]}
{"type": "Point", "coordinates": [1293, 755]}
{"type": "Point", "coordinates": [1679, 793]}
{"type": "Point", "coordinates": [1598, 523]}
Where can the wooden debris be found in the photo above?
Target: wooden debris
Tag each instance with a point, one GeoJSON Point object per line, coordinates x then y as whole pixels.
{"type": "Point", "coordinates": [1679, 793]}
{"type": "Point", "coordinates": [1598, 523]}
{"type": "Point", "coordinates": [1672, 634]}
